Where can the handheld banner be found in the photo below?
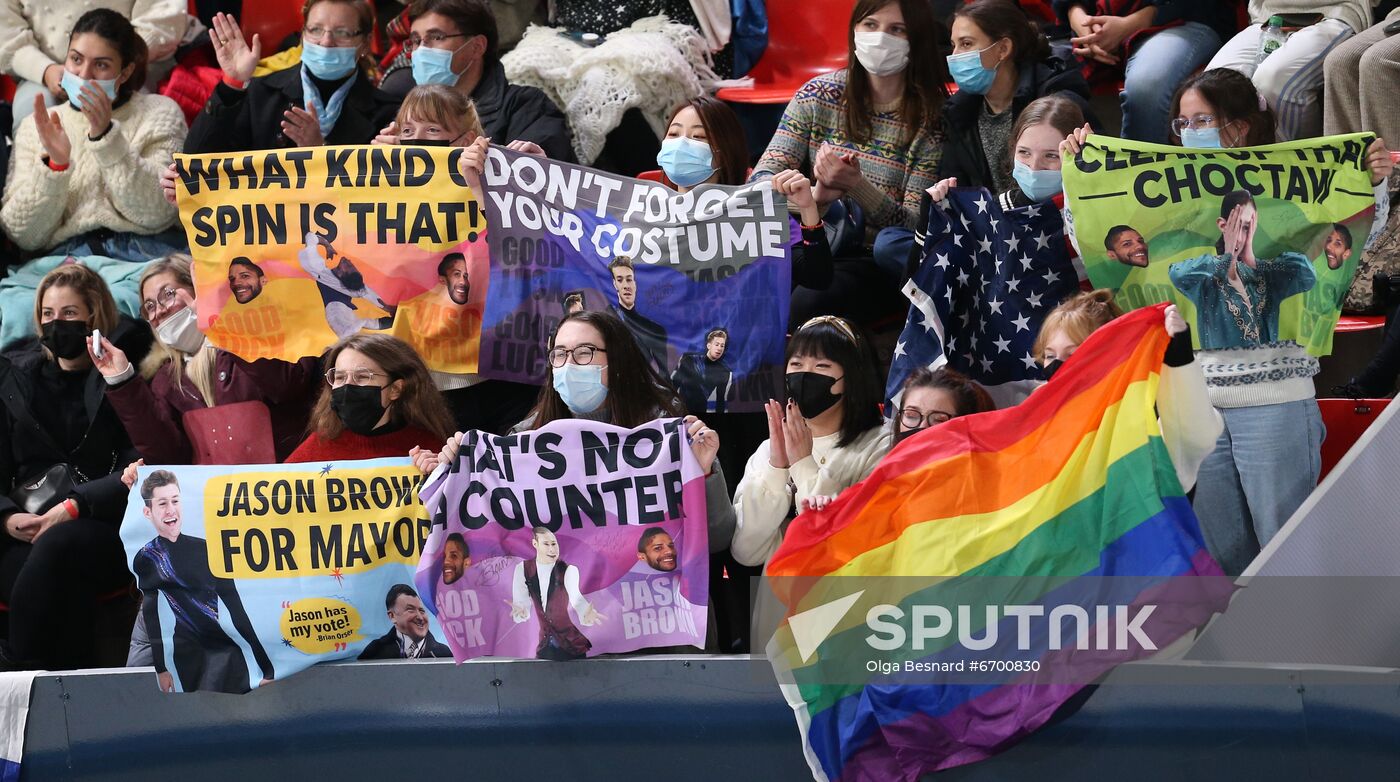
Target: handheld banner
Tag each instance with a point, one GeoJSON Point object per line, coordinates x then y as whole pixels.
{"type": "Point", "coordinates": [296, 248]}
{"type": "Point", "coordinates": [572, 540]}
{"type": "Point", "coordinates": [1284, 224]}
{"type": "Point", "coordinates": [701, 278]}
{"type": "Point", "coordinates": [253, 573]}
{"type": "Point", "coordinates": [986, 279]}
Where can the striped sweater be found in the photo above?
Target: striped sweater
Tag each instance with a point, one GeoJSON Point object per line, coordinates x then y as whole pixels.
{"type": "Point", "coordinates": [896, 174]}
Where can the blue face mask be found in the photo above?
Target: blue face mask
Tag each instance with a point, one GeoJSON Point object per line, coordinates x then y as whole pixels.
{"type": "Point", "coordinates": [1038, 185]}
{"type": "Point", "coordinates": [73, 85]}
{"type": "Point", "coordinates": [434, 66]}
{"type": "Point", "coordinates": [968, 72]}
{"type": "Point", "coordinates": [329, 62]}
{"type": "Point", "coordinates": [687, 162]}
{"type": "Point", "coordinates": [581, 387]}
{"type": "Point", "coordinates": [1205, 138]}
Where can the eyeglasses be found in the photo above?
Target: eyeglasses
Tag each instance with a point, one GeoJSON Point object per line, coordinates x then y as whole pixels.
{"type": "Point", "coordinates": [583, 355]}
{"type": "Point", "coordinates": [337, 34]}
{"type": "Point", "coordinates": [163, 300]}
{"type": "Point", "coordinates": [911, 418]}
{"type": "Point", "coordinates": [355, 377]}
{"type": "Point", "coordinates": [1194, 123]}
{"type": "Point", "coordinates": [433, 40]}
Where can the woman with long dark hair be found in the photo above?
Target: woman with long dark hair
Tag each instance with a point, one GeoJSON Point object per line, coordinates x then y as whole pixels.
{"type": "Point", "coordinates": [378, 401]}
{"type": "Point", "coordinates": [597, 371]}
{"type": "Point", "coordinates": [869, 133]}
{"type": "Point", "coordinates": [84, 178]}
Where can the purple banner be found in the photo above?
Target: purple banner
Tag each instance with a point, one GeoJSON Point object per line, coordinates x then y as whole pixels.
{"type": "Point", "coordinates": [572, 540]}
{"type": "Point", "coordinates": [701, 278]}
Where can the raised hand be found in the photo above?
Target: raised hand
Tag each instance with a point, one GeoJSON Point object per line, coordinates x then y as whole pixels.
{"type": "Point", "coordinates": [112, 362]}
{"type": "Point", "coordinates": [939, 191]}
{"type": "Point", "coordinates": [389, 134]}
{"type": "Point", "coordinates": [704, 443]}
{"type": "Point", "coordinates": [426, 461]}
{"type": "Point", "coordinates": [796, 435]}
{"type": "Point", "coordinates": [129, 474]}
{"type": "Point", "coordinates": [777, 446]}
{"type": "Point", "coordinates": [527, 147]}
{"type": "Point", "coordinates": [1379, 161]}
{"type": "Point", "coordinates": [237, 59]}
{"type": "Point", "coordinates": [1173, 322]}
{"type": "Point", "coordinates": [798, 191]}
{"type": "Point", "coordinates": [1075, 141]}
{"type": "Point", "coordinates": [168, 177]}
{"type": "Point", "coordinates": [51, 135]}
{"type": "Point", "coordinates": [97, 107]}
{"type": "Point", "coordinates": [301, 126]}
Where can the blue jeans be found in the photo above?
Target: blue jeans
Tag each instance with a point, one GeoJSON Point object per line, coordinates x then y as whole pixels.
{"type": "Point", "coordinates": [1264, 465]}
{"type": "Point", "coordinates": [1154, 70]}
{"type": "Point", "coordinates": [126, 246]}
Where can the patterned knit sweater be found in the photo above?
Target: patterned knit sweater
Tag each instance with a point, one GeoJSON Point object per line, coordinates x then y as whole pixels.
{"type": "Point", "coordinates": [896, 174]}
{"type": "Point", "coordinates": [110, 183]}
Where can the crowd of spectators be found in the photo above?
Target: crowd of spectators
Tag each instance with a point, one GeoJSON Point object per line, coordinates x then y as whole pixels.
{"type": "Point", "coordinates": [983, 94]}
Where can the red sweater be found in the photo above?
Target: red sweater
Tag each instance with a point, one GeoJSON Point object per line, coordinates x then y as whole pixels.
{"type": "Point", "coordinates": [350, 446]}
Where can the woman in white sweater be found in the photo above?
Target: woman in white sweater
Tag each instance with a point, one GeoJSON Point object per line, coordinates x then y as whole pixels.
{"type": "Point", "coordinates": [827, 438]}
{"type": "Point", "coordinates": [34, 40]}
{"type": "Point", "coordinates": [85, 177]}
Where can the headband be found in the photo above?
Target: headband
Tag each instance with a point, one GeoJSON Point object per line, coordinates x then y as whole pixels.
{"type": "Point", "coordinates": [836, 323]}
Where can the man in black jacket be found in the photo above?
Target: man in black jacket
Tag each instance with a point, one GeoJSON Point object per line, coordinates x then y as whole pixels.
{"type": "Point", "coordinates": [409, 638]}
{"type": "Point", "coordinates": [508, 112]}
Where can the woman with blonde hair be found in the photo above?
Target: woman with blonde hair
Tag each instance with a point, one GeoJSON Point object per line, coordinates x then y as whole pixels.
{"type": "Point", "coordinates": [378, 401]}
{"type": "Point", "coordinates": [432, 115]}
{"type": "Point", "coordinates": [1189, 423]}
{"type": "Point", "coordinates": [61, 496]}
{"type": "Point", "coordinates": [184, 373]}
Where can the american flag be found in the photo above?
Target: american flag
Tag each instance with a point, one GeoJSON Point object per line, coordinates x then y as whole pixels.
{"type": "Point", "coordinates": [986, 279]}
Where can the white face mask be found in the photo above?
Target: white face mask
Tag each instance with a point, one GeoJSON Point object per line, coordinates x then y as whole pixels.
{"type": "Point", "coordinates": [181, 331]}
{"type": "Point", "coordinates": [881, 53]}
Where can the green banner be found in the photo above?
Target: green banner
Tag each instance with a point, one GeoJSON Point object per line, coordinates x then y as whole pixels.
{"type": "Point", "coordinates": [1255, 245]}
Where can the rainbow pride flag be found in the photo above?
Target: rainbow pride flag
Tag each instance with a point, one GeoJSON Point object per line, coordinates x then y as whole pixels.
{"type": "Point", "coordinates": [1054, 537]}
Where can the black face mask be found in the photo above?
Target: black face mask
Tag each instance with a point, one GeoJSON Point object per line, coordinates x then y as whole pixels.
{"type": "Point", "coordinates": [812, 392]}
{"type": "Point", "coordinates": [905, 434]}
{"type": "Point", "coordinates": [1050, 368]}
{"type": "Point", "coordinates": [430, 142]}
{"type": "Point", "coordinates": [358, 407]}
{"type": "Point", "coordinates": [65, 338]}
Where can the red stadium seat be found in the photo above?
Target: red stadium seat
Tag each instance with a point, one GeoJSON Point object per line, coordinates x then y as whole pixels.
{"type": "Point", "coordinates": [798, 48]}
{"type": "Point", "coordinates": [272, 20]}
{"type": "Point", "coordinates": [1346, 420]}
{"type": "Point", "coordinates": [1350, 323]}
{"type": "Point", "coordinates": [7, 88]}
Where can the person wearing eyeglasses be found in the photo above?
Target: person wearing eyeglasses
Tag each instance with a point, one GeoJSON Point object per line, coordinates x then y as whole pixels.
{"type": "Point", "coordinates": [184, 373]}
{"type": "Point", "coordinates": [456, 43]}
{"type": "Point", "coordinates": [1267, 461]}
{"type": "Point", "coordinates": [330, 99]}
{"type": "Point", "coordinates": [597, 371]}
{"type": "Point", "coordinates": [937, 396]}
{"type": "Point", "coordinates": [378, 401]}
